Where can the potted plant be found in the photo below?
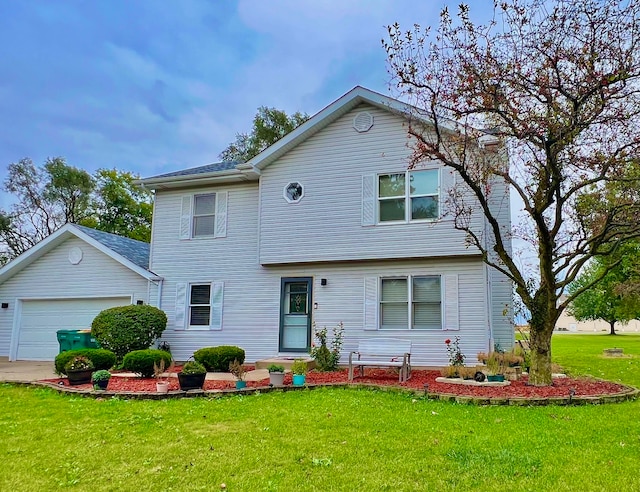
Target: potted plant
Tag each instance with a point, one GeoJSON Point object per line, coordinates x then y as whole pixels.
{"type": "Point", "coordinates": [79, 370]}
{"type": "Point", "coordinates": [299, 370]}
{"type": "Point", "coordinates": [495, 366]}
{"type": "Point", "coordinates": [238, 371]}
{"type": "Point", "coordinates": [192, 376]}
{"type": "Point", "coordinates": [161, 375]}
{"type": "Point", "coordinates": [100, 379]}
{"type": "Point", "coordinates": [276, 375]}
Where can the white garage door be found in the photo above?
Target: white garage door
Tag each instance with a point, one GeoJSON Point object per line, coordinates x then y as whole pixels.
{"type": "Point", "coordinates": [41, 320]}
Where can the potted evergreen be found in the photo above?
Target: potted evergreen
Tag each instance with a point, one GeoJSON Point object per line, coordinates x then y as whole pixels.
{"type": "Point", "coordinates": [79, 370]}
{"type": "Point", "coordinates": [276, 375]}
{"type": "Point", "coordinates": [192, 376]}
{"type": "Point", "coordinates": [100, 379]}
{"type": "Point", "coordinates": [238, 371]}
{"type": "Point", "coordinates": [299, 370]}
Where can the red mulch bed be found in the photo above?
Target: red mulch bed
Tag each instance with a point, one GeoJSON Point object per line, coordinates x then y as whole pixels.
{"type": "Point", "coordinates": [561, 386]}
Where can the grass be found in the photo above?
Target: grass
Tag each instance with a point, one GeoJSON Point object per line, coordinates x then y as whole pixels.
{"type": "Point", "coordinates": [326, 439]}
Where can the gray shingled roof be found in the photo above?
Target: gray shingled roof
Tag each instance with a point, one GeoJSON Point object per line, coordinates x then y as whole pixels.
{"type": "Point", "coordinates": [135, 251]}
{"type": "Point", "coordinates": [208, 168]}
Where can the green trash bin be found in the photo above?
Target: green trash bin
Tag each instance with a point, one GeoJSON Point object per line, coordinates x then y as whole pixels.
{"type": "Point", "coordinates": [64, 339]}
{"type": "Point", "coordinates": [81, 339]}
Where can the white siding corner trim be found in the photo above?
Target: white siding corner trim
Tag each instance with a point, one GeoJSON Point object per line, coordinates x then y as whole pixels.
{"type": "Point", "coordinates": [221, 213]}
{"type": "Point", "coordinates": [451, 310]}
{"type": "Point", "coordinates": [370, 303]}
{"type": "Point", "coordinates": [181, 305]}
{"type": "Point", "coordinates": [369, 200]}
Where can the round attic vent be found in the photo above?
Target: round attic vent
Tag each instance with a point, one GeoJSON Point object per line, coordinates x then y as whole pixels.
{"type": "Point", "coordinates": [363, 122]}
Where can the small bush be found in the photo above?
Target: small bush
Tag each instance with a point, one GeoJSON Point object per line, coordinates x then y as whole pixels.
{"type": "Point", "coordinates": [142, 361]}
{"type": "Point", "coordinates": [299, 367]}
{"type": "Point", "coordinates": [101, 358]}
{"type": "Point", "coordinates": [193, 367]}
{"type": "Point", "coordinates": [101, 375]}
{"type": "Point", "coordinates": [217, 359]}
{"type": "Point", "coordinates": [275, 368]}
{"type": "Point", "coordinates": [125, 329]}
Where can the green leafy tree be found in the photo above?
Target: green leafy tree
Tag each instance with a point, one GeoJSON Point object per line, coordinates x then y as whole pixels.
{"type": "Point", "coordinates": [119, 206]}
{"type": "Point", "coordinates": [269, 126]}
{"type": "Point", "coordinates": [558, 85]}
{"type": "Point", "coordinates": [600, 294]}
{"type": "Point", "coordinates": [50, 196]}
{"type": "Point", "coordinates": [46, 199]}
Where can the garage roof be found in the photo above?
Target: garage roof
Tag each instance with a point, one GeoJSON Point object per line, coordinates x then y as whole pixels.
{"type": "Point", "coordinates": [129, 252]}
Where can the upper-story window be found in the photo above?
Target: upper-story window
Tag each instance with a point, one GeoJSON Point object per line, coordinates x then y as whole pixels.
{"type": "Point", "coordinates": [412, 195]}
{"type": "Point", "coordinates": [204, 215]}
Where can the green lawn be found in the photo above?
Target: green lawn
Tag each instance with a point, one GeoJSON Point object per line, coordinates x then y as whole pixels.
{"type": "Point", "coordinates": [326, 439]}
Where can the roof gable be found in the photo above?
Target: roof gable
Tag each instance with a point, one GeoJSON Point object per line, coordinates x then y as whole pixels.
{"type": "Point", "coordinates": [128, 252]}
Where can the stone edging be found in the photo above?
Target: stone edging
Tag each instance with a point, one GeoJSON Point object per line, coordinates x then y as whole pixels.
{"type": "Point", "coordinates": [629, 393]}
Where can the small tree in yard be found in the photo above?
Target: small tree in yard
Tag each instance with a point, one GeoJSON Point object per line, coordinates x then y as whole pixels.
{"type": "Point", "coordinates": [557, 82]}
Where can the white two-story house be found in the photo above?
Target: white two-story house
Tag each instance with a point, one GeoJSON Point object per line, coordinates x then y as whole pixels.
{"type": "Point", "coordinates": [327, 225]}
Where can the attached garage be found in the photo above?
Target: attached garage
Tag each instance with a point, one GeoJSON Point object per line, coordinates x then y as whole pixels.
{"type": "Point", "coordinates": [41, 319]}
{"type": "Point", "coordinates": [63, 282]}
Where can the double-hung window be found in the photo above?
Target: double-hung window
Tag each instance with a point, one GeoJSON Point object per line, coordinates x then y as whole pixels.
{"type": "Point", "coordinates": [412, 195]}
{"type": "Point", "coordinates": [199, 305]}
{"type": "Point", "coordinates": [413, 302]}
{"type": "Point", "coordinates": [204, 215]}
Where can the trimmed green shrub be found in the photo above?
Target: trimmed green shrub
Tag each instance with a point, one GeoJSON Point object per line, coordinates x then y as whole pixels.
{"type": "Point", "coordinates": [141, 361]}
{"type": "Point", "coordinates": [101, 358]}
{"type": "Point", "coordinates": [217, 359]}
{"type": "Point", "coordinates": [124, 329]}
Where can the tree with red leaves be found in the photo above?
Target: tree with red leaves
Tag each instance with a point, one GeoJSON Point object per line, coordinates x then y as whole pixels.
{"type": "Point", "coordinates": [557, 82]}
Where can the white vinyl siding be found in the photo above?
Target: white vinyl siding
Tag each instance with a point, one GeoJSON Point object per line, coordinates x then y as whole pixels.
{"type": "Point", "coordinates": [337, 219]}
{"type": "Point", "coordinates": [204, 215]}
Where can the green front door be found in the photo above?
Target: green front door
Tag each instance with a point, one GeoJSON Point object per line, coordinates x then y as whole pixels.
{"type": "Point", "coordinates": [295, 314]}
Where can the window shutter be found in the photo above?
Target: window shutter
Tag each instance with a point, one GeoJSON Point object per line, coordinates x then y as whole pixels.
{"type": "Point", "coordinates": [368, 200]}
{"type": "Point", "coordinates": [221, 213]}
{"type": "Point", "coordinates": [217, 289]}
{"type": "Point", "coordinates": [185, 218]}
{"type": "Point", "coordinates": [181, 305]}
{"type": "Point", "coordinates": [370, 303]}
{"type": "Point", "coordinates": [451, 310]}
{"type": "Point", "coordinates": [447, 183]}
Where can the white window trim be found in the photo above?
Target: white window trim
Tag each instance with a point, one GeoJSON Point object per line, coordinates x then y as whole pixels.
{"type": "Point", "coordinates": [409, 279]}
{"type": "Point", "coordinates": [284, 191]}
{"type": "Point", "coordinates": [194, 216]}
{"type": "Point", "coordinates": [407, 197]}
{"type": "Point", "coordinates": [206, 327]}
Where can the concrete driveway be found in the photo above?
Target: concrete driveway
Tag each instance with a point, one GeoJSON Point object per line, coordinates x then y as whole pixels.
{"type": "Point", "coordinates": [23, 370]}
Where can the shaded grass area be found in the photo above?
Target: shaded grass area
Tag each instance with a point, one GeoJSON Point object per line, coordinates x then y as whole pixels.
{"type": "Point", "coordinates": [323, 440]}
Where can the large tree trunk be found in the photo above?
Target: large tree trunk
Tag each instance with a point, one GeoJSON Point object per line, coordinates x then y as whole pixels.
{"type": "Point", "coordinates": [612, 324]}
{"type": "Point", "coordinates": [544, 315]}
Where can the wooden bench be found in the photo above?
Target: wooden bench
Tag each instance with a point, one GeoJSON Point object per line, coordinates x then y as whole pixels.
{"type": "Point", "coordinates": [382, 352]}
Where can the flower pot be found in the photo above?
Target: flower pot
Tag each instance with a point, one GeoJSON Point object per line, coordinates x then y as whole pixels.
{"type": "Point", "coordinates": [298, 379]}
{"type": "Point", "coordinates": [241, 385]}
{"type": "Point", "coordinates": [495, 378]}
{"type": "Point", "coordinates": [80, 377]}
{"type": "Point", "coordinates": [101, 385]}
{"type": "Point", "coordinates": [276, 378]}
{"type": "Point", "coordinates": [191, 381]}
{"type": "Point", "coordinates": [162, 386]}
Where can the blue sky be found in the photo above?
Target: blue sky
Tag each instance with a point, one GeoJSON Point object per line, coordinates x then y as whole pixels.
{"type": "Point", "coordinates": [152, 86]}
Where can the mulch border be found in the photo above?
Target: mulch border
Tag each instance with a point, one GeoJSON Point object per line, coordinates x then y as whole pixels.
{"type": "Point", "coordinates": [629, 393]}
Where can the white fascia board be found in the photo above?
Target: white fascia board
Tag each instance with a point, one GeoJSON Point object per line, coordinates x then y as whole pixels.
{"type": "Point", "coordinates": [190, 180]}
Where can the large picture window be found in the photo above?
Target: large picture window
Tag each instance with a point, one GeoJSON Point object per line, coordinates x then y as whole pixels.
{"type": "Point", "coordinates": [204, 215]}
{"type": "Point", "coordinates": [409, 196]}
{"type": "Point", "coordinates": [411, 303]}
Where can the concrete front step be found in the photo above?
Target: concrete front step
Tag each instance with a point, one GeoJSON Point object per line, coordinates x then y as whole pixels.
{"type": "Point", "coordinates": [286, 362]}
